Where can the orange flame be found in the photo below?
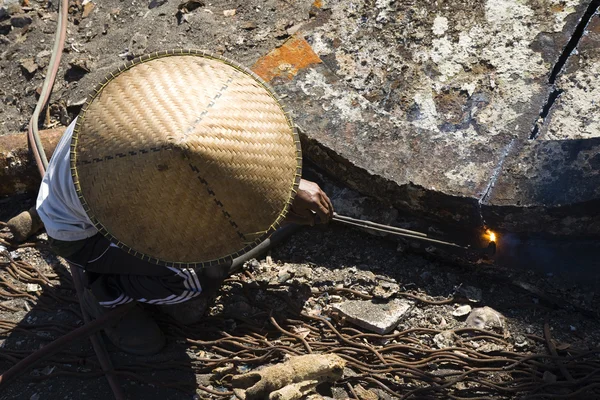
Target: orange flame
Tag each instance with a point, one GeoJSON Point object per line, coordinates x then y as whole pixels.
{"type": "Point", "coordinates": [491, 235]}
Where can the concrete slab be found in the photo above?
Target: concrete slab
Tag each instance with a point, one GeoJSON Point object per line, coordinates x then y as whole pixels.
{"type": "Point", "coordinates": [426, 105]}
{"type": "Point", "coordinates": [377, 317]}
{"type": "Point", "coordinates": [552, 183]}
{"type": "Point", "coordinates": [575, 113]}
{"type": "Point", "coordinates": [420, 104]}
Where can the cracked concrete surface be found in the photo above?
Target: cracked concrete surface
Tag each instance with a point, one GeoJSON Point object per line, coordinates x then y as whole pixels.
{"type": "Point", "coordinates": [575, 114]}
{"type": "Point", "coordinates": [428, 106]}
{"type": "Point", "coordinates": [552, 183]}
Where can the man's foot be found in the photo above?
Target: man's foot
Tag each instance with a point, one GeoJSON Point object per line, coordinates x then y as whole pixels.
{"type": "Point", "coordinates": [134, 333]}
{"type": "Point", "coordinates": [188, 312]}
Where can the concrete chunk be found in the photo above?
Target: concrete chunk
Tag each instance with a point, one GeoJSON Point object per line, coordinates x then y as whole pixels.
{"type": "Point", "coordinates": [377, 317]}
{"type": "Point", "coordinates": [553, 183]}
{"type": "Point", "coordinates": [421, 110]}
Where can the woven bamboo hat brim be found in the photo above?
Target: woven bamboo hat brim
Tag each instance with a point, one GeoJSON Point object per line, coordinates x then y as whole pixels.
{"type": "Point", "coordinates": [185, 159]}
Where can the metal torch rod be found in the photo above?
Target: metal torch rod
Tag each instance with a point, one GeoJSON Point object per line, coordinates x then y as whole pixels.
{"type": "Point", "coordinates": [391, 230]}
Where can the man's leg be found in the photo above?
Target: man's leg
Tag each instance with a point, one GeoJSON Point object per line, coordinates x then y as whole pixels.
{"type": "Point", "coordinates": [115, 278]}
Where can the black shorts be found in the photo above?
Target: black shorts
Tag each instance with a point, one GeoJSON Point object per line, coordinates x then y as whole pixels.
{"type": "Point", "coordinates": [116, 277]}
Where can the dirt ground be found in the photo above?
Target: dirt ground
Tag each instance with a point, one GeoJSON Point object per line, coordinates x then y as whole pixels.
{"type": "Point", "coordinates": [103, 35]}
{"type": "Point", "coordinates": [262, 312]}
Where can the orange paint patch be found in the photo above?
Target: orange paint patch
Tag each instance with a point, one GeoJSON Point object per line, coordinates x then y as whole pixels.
{"type": "Point", "coordinates": [285, 61]}
{"type": "Point", "coordinates": [318, 3]}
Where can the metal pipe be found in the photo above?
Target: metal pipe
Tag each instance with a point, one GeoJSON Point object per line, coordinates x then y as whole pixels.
{"type": "Point", "coordinates": [42, 164]}
{"type": "Point", "coordinates": [343, 218]}
{"type": "Point", "coordinates": [277, 237]}
{"type": "Point", "coordinates": [59, 42]}
{"type": "Point", "coordinates": [421, 236]}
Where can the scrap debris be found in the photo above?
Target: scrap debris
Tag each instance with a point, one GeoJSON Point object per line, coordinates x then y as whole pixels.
{"type": "Point", "coordinates": [268, 337]}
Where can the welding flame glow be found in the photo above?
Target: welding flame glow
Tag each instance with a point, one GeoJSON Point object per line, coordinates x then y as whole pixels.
{"type": "Point", "coordinates": [491, 235]}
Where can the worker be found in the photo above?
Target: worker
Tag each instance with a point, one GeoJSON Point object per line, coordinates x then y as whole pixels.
{"type": "Point", "coordinates": [178, 163]}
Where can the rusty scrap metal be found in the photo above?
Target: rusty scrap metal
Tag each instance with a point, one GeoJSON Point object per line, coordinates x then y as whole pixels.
{"type": "Point", "coordinates": [404, 364]}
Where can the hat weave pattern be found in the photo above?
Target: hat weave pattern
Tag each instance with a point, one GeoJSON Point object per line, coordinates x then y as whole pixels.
{"type": "Point", "coordinates": [185, 159]}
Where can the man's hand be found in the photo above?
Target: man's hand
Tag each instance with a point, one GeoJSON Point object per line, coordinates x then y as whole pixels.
{"type": "Point", "coordinates": [311, 205]}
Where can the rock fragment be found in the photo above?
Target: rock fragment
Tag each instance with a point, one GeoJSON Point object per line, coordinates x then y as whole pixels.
{"type": "Point", "coordinates": [20, 21]}
{"type": "Point", "coordinates": [490, 348]}
{"type": "Point", "coordinates": [471, 293]}
{"type": "Point", "coordinates": [186, 6]}
{"type": "Point", "coordinates": [486, 318]}
{"type": "Point", "coordinates": [43, 58]}
{"type": "Point", "coordinates": [156, 3]}
{"type": "Point", "coordinates": [229, 13]}
{"type": "Point", "coordinates": [28, 66]}
{"type": "Point", "coordinates": [138, 44]}
{"type": "Point", "coordinates": [33, 287]}
{"type": "Point", "coordinates": [385, 290]}
{"type": "Point", "coordinates": [77, 69]}
{"type": "Point", "coordinates": [10, 8]}
{"type": "Point", "coordinates": [376, 317]}
{"type": "Point", "coordinates": [461, 311]}
{"type": "Point", "coordinates": [88, 7]}
{"type": "Point", "coordinates": [5, 28]}
{"type": "Point", "coordinates": [264, 382]}
{"type": "Point", "coordinates": [249, 25]}
{"type": "Point", "coordinates": [365, 394]}
{"type": "Point", "coordinates": [444, 339]}
{"type": "Point", "coordinates": [295, 391]}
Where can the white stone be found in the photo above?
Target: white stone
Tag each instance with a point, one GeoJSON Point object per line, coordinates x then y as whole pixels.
{"type": "Point", "coordinates": [444, 339]}
{"type": "Point", "coordinates": [440, 25]}
{"type": "Point", "coordinates": [33, 287]}
{"type": "Point", "coordinates": [462, 311]}
{"type": "Point", "coordinates": [485, 318]}
{"type": "Point", "coordinates": [377, 317]}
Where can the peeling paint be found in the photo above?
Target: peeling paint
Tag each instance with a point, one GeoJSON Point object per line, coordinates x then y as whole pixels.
{"type": "Point", "coordinates": [473, 46]}
{"type": "Point", "coordinates": [285, 61]}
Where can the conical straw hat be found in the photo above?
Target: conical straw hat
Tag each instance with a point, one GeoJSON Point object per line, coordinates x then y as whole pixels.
{"type": "Point", "coordinates": [185, 159]}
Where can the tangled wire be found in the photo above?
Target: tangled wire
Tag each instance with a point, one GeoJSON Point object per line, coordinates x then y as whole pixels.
{"type": "Point", "coordinates": [405, 364]}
